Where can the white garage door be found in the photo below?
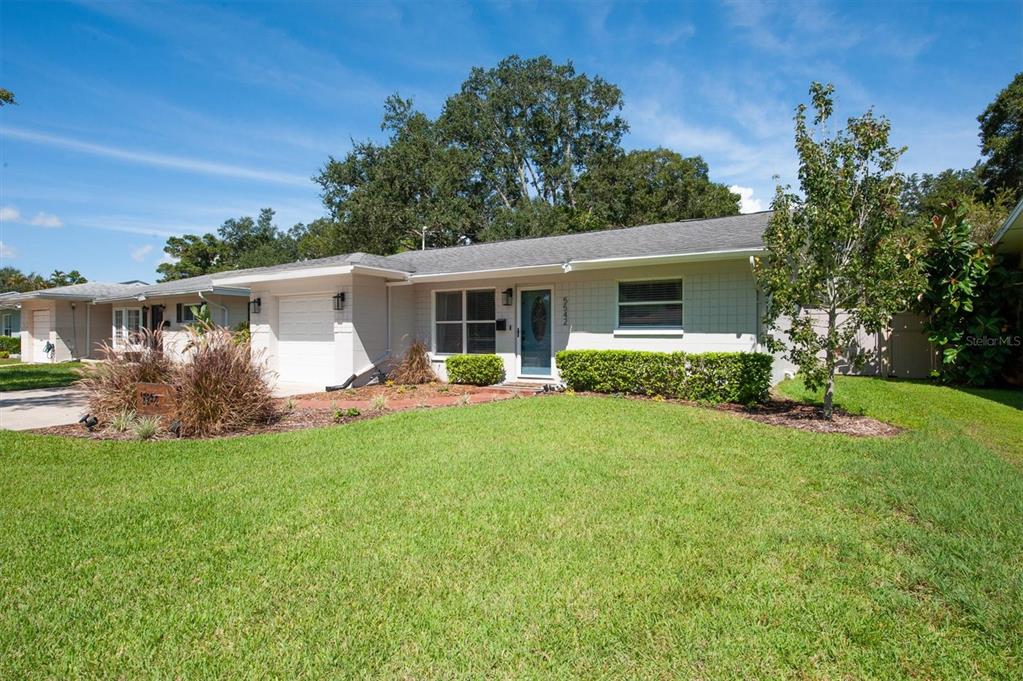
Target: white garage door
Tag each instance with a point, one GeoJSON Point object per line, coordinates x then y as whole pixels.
{"type": "Point", "coordinates": [305, 340]}
{"type": "Point", "coordinates": [40, 334]}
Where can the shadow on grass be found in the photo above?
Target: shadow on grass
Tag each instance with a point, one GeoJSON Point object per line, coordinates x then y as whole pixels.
{"type": "Point", "coordinates": [1007, 396]}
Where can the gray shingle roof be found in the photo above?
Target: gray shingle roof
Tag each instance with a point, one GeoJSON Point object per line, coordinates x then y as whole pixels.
{"type": "Point", "coordinates": [359, 258]}
{"type": "Point", "coordinates": [735, 233]}
{"type": "Point", "coordinates": [177, 287]}
{"type": "Point", "coordinates": [87, 291]}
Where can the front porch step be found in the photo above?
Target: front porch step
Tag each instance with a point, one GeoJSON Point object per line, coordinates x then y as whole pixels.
{"type": "Point", "coordinates": [523, 386]}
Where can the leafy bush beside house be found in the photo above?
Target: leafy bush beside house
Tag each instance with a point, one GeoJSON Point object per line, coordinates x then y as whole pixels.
{"type": "Point", "coordinates": [10, 344]}
{"type": "Point", "coordinates": [742, 377]}
{"type": "Point", "coordinates": [972, 304]}
{"type": "Point", "coordinates": [475, 369]}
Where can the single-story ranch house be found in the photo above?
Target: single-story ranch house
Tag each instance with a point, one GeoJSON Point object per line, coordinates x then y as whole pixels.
{"type": "Point", "coordinates": [334, 321]}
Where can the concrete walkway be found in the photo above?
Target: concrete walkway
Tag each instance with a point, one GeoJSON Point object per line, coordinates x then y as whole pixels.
{"type": "Point", "coordinates": [25, 409]}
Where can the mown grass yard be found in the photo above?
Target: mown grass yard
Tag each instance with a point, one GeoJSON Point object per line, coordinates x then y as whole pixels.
{"type": "Point", "coordinates": [547, 537]}
{"type": "Point", "coordinates": [18, 376]}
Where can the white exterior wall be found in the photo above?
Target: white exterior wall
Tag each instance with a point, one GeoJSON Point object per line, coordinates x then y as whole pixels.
{"type": "Point", "coordinates": [266, 329]}
{"type": "Point", "coordinates": [719, 310]}
{"type": "Point", "coordinates": [402, 324]}
{"type": "Point", "coordinates": [369, 321]}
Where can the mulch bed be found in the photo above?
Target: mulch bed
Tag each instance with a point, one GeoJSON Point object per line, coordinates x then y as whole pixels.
{"type": "Point", "coordinates": [809, 417]}
{"type": "Point", "coordinates": [780, 411]}
{"type": "Point", "coordinates": [316, 410]}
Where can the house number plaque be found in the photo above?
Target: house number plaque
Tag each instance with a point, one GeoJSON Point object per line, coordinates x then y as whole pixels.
{"type": "Point", "coordinates": [155, 399]}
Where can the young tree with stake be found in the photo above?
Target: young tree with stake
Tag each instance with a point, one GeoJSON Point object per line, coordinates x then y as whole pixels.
{"type": "Point", "coordinates": [837, 259]}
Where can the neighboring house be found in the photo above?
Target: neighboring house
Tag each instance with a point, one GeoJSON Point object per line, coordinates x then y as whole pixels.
{"type": "Point", "coordinates": [1008, 240]}
{"type": "Point", "coordinates": [78, 319]}
{"type": "Point", "coordinates": [10, 315]}
{"type": "Point", "coordinates": [168, 307]}
{"type": "Point", "coordinates": [65, 317]}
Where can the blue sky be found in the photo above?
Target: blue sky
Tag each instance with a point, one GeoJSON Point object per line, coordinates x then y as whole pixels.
{"type": "Point", "coordinates": [141, 121]}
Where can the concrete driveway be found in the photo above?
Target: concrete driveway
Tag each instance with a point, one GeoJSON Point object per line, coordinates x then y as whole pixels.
{"type": "Point", "coordinates": [25, 409]}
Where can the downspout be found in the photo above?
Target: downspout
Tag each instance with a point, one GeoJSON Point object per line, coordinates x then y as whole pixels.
{"type": "Point", "coordinates": [74, 330]}
{"type": "Point", "coordinates": [756, 309]}
{"type": "Point", "coordinates": [88, 329]}
{"type": "Point", "coordinates": [211, 302]}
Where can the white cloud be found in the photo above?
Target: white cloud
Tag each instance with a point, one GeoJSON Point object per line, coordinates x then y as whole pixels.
{"type": "Point", "coordinates": [139, 254]}
{"type": "Point", "coordinates": [192, 165]}
{"type": "Point", "coordinates": [747, 204]}
{"type": "Point", "coordinates": [41, 219]}
{"type": "Point", "coordinates": [752, 162]}
{"type": "Point", "coordinates": [48, 220]}
{"type": "Point", "coordinates": [7, 251]}
{"type": "Point", "coordinates": [167, 259]}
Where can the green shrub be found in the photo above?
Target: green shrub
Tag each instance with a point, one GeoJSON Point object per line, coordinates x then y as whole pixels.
{"type": "Point", "coordinates": [242, 333]}
{"type": "Point", "coordinates": [742, 377]}
{"type": "Point", "coordinates": [475, 369]}
{"type": "Point", "coordinates": [10, 344]}
{"type": "Point", "coordinates": [341, 415]}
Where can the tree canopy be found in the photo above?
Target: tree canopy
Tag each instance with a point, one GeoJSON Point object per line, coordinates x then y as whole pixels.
{"type": "Point", "coordinates": [239, 243]}
{"type": "Point", "coordinates": [13, 279]}
{"type": "Point", "coordinates": [1001, 141]}
{"type": "Point", "coordinates": [526, 148]}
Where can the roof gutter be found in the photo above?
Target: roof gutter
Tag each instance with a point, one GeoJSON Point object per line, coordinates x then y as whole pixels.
{"type": "Point", "coordinates": [144, 295]}
{"type": "Point", "coordinates": [594, 264]}
{"type": "Point", "coordinates": [308, 272]}
{"type": "Point", "coordinates": [603, 263]}
{"type": "Point", "coordinates": [1014, 217]}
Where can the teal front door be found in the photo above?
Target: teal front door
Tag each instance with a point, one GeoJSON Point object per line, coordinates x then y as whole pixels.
{"type": "Point", "coordinates": [535, 332]}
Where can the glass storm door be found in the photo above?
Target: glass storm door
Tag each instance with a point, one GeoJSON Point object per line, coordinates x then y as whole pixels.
{"type": "Point", "coordinates": [535, 332]}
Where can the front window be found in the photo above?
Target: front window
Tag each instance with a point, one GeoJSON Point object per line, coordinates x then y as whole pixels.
{"type": "Point", "coordinates": [184, 313]}
{"type": "Point", "coordinates": [465, 322]}
{"type": "Point", "coordinates": [8, 324]}
{"type": "Point", "coordinates": [127, 324]}
{"type": "Point", "coordinates": [650, 304]}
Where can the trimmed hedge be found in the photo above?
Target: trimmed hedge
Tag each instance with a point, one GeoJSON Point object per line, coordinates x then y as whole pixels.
{"type": "Point", "coordinates": [475, 369]}
{"type": "Point", "coordinates": [743, 377]}
{"type": "Point", "coordinates": [10, 344]}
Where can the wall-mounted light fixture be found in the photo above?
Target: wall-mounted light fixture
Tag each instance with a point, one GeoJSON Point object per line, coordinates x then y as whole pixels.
{"type": "Point", "coordinates": [506, 296]}
{"type": "Point", "coordinates": [339, 301]}
{"type": "Point", "coordinates": [255, 305]}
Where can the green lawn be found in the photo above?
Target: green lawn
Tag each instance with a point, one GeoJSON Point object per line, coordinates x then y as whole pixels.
{"type": "Point", "coordinates": [551, 537]}
{"type": "Point", "coordinates": [18, 376]}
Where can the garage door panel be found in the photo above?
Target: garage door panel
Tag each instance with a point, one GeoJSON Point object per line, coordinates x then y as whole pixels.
{"type": "Point", "coordinates": [40, 334]}
{"type": "Point", "coordinates": [306, 340]}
